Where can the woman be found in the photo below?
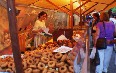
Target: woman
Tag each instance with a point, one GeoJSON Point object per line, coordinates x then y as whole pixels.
{"type": "Point", "coordinates": [94, 23]}
{"type": "Point", "coordinates": [37, 29]}
{"type": "Point", "coordinates": [104, 54]}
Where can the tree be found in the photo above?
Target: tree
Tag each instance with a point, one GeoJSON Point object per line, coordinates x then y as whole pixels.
{"type": "Point", "coordinates": [114, 10]}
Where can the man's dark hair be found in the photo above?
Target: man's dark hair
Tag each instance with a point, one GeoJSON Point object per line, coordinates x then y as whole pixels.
{"type": "Point", "coordinates": [41, 13]}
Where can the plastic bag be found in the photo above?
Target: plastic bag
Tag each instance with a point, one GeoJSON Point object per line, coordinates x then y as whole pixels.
{"type": "Point", "coordinates": [93, 52]}
{"type": "Point", "coordinates": [77, 67]}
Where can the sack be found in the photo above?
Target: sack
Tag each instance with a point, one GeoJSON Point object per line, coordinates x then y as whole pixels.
{"type": "Point", "coordinates": [101, 43]}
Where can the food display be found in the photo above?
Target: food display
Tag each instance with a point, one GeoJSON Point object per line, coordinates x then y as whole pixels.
{"type": "Point", "coordinates": [42, 60]}
{"type": "Point", "coordinates": [52, 57]}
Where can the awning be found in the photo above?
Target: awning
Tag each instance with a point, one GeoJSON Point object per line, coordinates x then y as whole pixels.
{"type": "Point", "coordinates": [86, 6]}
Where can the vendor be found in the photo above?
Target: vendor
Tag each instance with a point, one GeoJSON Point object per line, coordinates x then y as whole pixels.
{"type": "Point", "coordinates": [37, 29]}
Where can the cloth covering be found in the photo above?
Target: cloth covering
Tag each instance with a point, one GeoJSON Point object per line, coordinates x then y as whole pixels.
{"type": "Point", "coordinates": [62, 37]}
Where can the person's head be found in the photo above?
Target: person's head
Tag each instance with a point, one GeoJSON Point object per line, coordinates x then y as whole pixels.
{"type": "Point", "coordinates": [88, 17]}
{"type": "Point", "coordinates": [42, 15]}
{"type": "Point", "coordinates": [114, 15]}
{"type": "Point", "coordinates": [96, 16]}
{"type": "Point", "coordinates": [110, 12]}
{"type": "Point", "coordinates": [104, 16]}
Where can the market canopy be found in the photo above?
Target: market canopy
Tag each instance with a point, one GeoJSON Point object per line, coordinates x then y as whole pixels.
{"type": "Point", "coordinates": [68, 6]}
{"type": "Point", "coordinates": [79, 7]}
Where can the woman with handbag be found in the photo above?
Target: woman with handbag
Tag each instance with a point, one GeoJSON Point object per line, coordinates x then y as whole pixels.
{"type": "Point", "coordinates": [105, 29]}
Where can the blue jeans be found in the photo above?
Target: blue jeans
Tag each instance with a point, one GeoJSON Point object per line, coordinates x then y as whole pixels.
{"type": "Point", "coordinates": [105, 56]}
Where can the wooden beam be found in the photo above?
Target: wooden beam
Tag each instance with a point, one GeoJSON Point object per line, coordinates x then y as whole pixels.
{"type": "Point", "coordinates": [81, 6]}
{"type": "Point", "coordinates": [71, 15]}
{"type": "Point", "coordinates": [14, 36]}
{"type": "Point", "coordinates": [90, 7]}
{"type": "Point", "coordinates": [57, 6]}
{"type": "Point", "coordinates": [108, 5]}
{"type": "Point", "coordinates": [89, 12]}
{"type": "Point", "coordinates": [65, 8]}
{"type": "Point", "coordinates": [77, 13]}
{"type": "Point", "coordinates": [68, 4]}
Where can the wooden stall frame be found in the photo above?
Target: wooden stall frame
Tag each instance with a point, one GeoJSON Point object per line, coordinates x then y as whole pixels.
{"type": "Point", "coordinates": [57, 6]}
{"type": "Point", "coordinates": [90, 7]}
{"type": "Point", "coordinates": [14, 36]}
{"type": "Point", "coordinates": [108, 5]}
{"type": "Point", "coordinates": [81, 6]}
{"type": "Point", "coordinates": [71, 15]}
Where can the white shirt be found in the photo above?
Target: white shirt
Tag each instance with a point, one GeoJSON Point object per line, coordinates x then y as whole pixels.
{"type": "Point", "coordinates": [114, 20]}
{"type": "Point", "coordinates": [39, 25]}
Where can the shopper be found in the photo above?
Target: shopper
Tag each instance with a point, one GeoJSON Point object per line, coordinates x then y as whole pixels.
{"type": "Point", "coordinates": [37, 29]}
{"type": "Point", "coordinates": [113, 19]}
{"type": "Point", "coordinates": [95, 21]}
{"type": "Point", "coordinates": [105, 54]}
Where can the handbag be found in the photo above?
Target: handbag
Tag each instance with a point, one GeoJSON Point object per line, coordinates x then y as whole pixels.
{"type": "Point", "coordinates": [114, 34]}
{"type": "Point", "coordinates": [101, 42]}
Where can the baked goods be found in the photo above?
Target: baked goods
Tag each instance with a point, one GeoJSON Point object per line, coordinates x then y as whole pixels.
{"type": "Point", "coordinates": [42, 60]}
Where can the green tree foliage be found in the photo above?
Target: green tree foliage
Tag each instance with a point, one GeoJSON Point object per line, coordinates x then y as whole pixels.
{"type": "Point", "coordinates": [114, 10]}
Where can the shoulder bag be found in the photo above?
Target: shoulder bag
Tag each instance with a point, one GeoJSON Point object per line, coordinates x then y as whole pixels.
{"type": "Point", "coordinates": [101, 42]}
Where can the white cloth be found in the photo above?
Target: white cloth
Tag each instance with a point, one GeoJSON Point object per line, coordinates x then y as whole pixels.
{"type": "Point", "coordinates": [62, 37]}
{"type": "Point", "coordinates": [39, 25]}
{"type": "Point", "coordinates": [93, 52]}
{"type": "Point", "coordinates": [39, 39]}
{"type": "Point", "coordinates": [105, 56]}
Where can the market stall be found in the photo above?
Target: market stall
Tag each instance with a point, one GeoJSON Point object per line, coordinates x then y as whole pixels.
{"type": "Point", "coordinates": [59, 56]}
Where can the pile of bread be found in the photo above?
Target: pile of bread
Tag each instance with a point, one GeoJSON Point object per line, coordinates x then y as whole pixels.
{"type": "Point", "coordinates": [43, 60]}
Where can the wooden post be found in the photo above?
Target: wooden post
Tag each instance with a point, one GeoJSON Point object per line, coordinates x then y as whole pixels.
{"type": "Point", "coordinates": [80, 23]}
{"type": "Point", "coordinates": [14, 35]}
{"type": "Point", "coordinates": [80, 14]}
{"type": "Point", "coordinates": [71, 15]}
